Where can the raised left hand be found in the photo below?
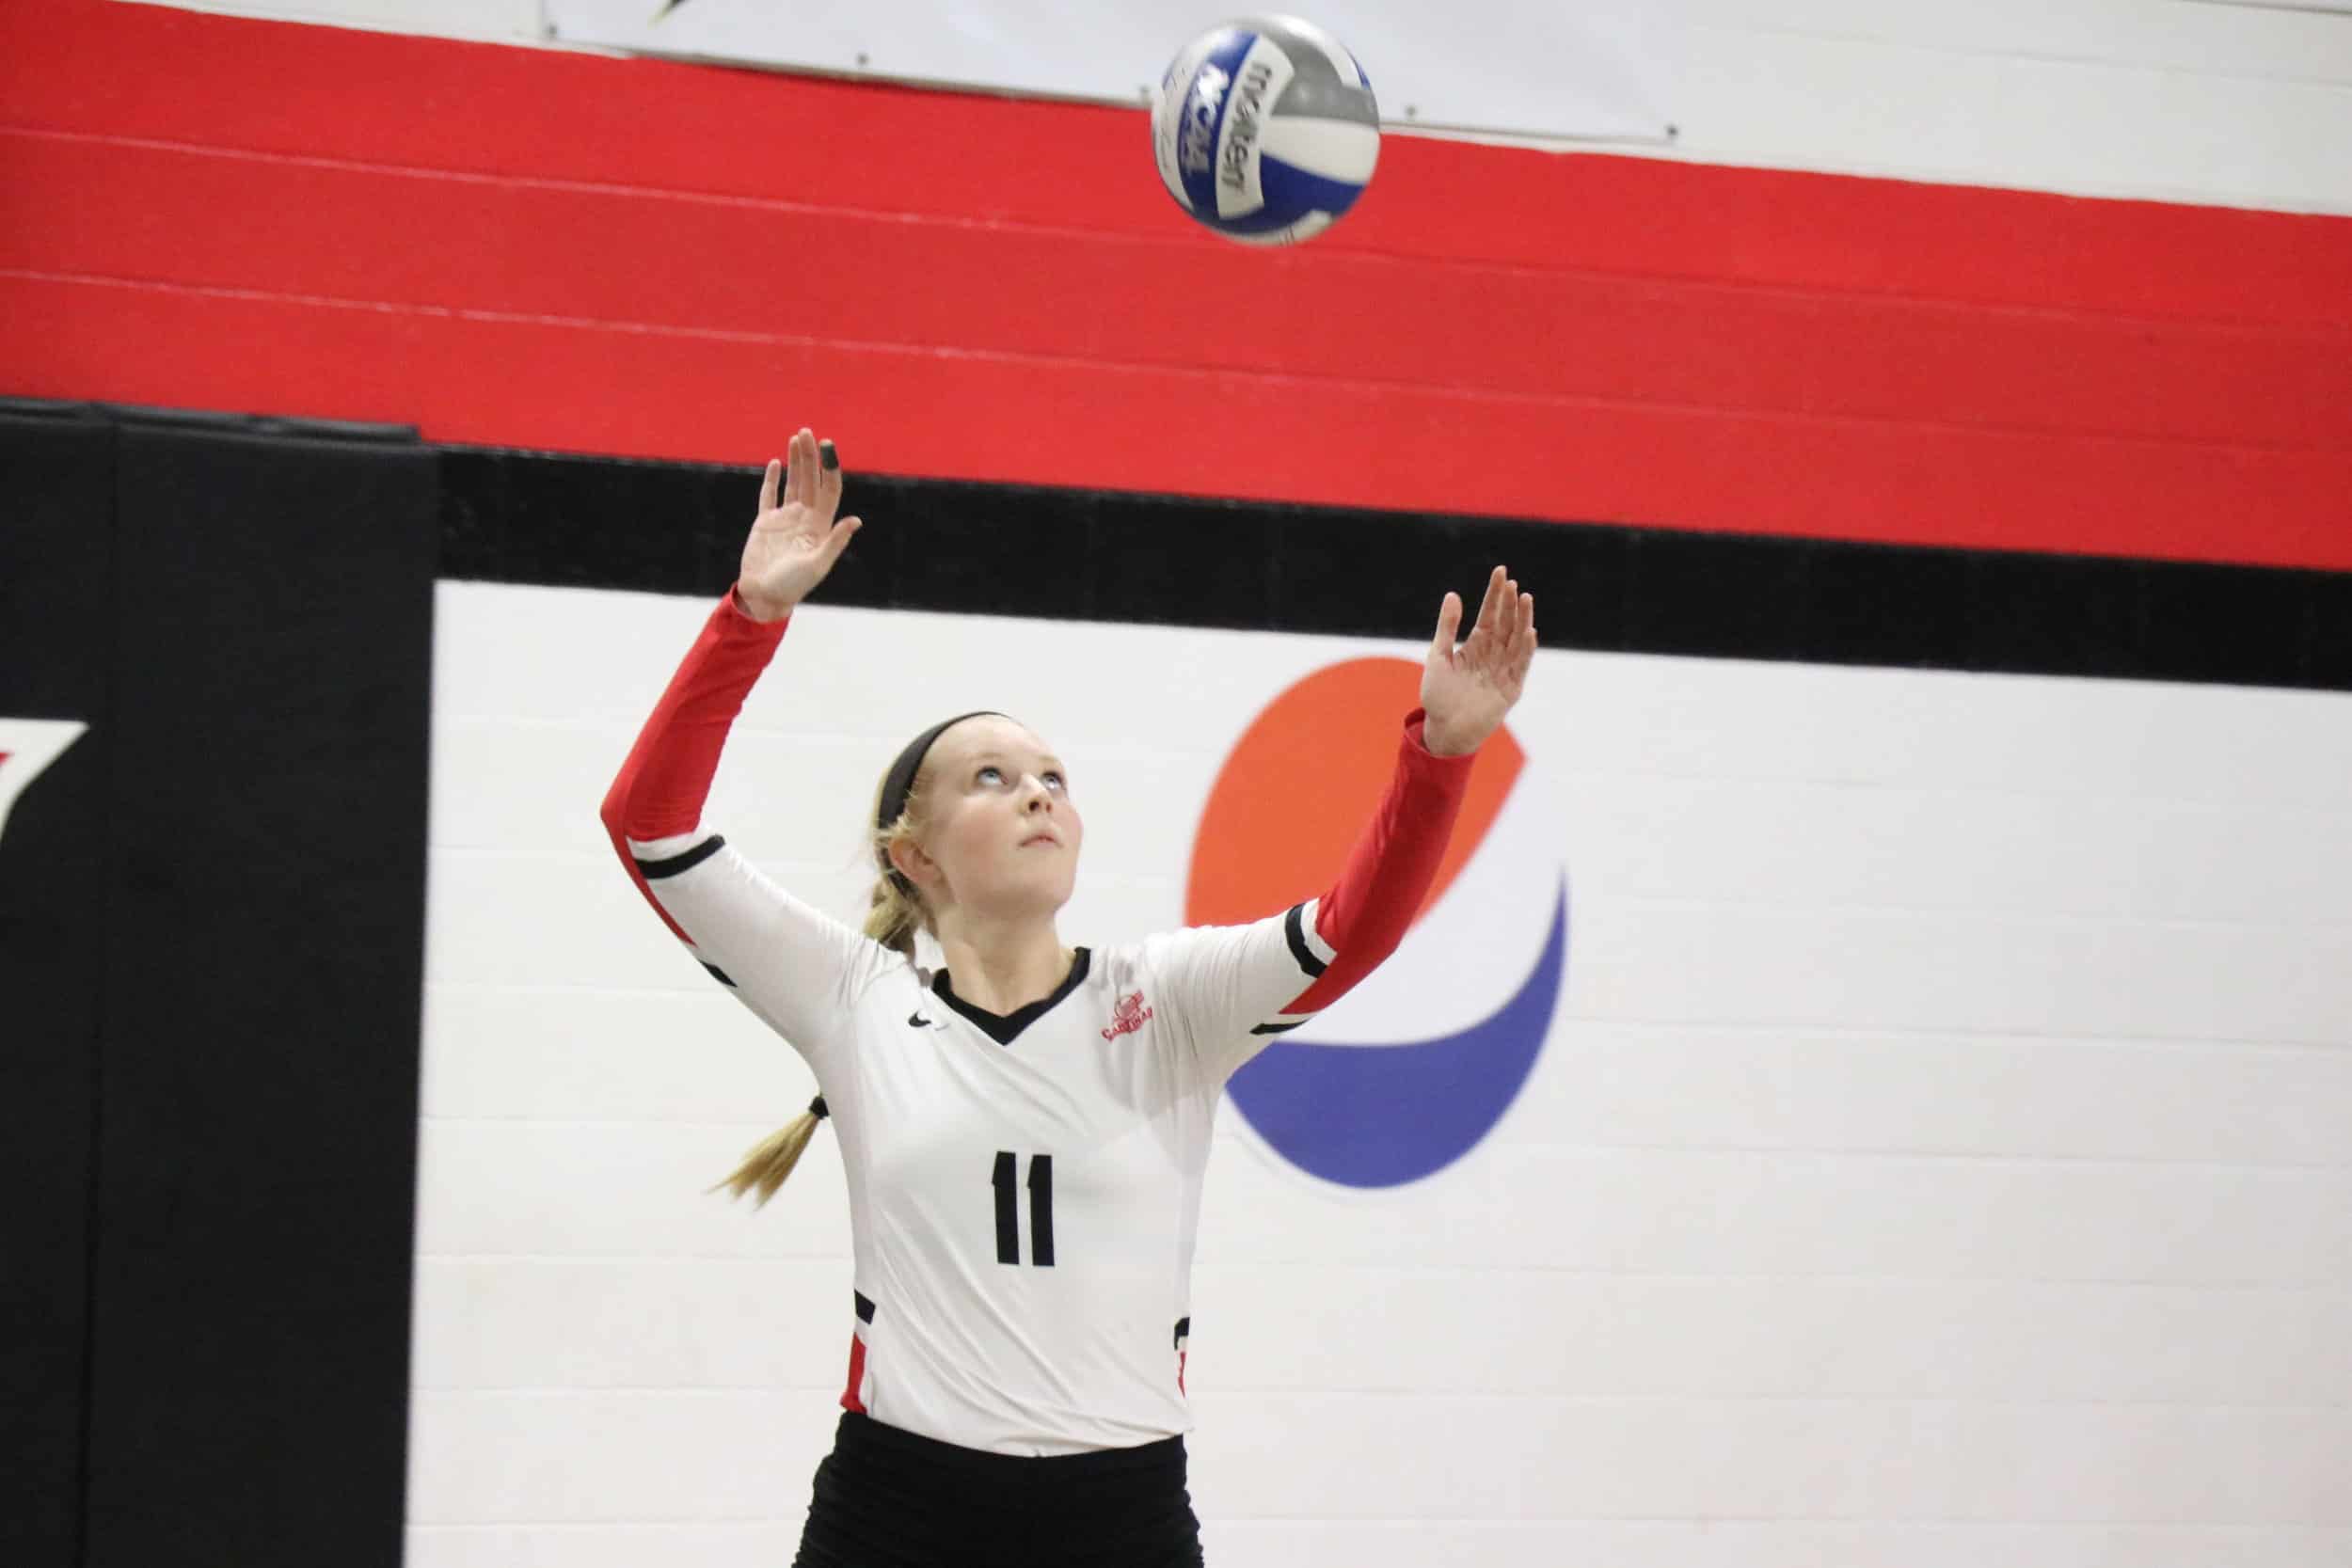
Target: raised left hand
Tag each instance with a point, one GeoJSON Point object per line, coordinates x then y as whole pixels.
{"type": "Point", "coordinates": [1466, 688]}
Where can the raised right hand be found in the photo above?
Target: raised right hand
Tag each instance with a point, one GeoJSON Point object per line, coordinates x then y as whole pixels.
{"type": "Point", "coordinates": [794, 540]}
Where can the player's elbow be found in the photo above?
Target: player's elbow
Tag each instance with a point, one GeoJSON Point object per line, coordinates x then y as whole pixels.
{"type": "Point", "coordinates": [612, 811]}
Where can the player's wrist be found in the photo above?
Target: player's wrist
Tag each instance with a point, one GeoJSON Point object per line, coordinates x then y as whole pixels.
{"type": "Point", "coordinates": [1441, 739]}
{"type": "Point", "coordinates": [754, 608]}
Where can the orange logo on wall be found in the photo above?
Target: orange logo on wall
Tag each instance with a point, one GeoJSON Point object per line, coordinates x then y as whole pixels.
{"type": "Point", "coordinates": [1303, 779]}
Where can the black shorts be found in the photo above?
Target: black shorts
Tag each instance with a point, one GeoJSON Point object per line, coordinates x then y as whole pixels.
{"type": "Point", "coordinates": [887, 1498]}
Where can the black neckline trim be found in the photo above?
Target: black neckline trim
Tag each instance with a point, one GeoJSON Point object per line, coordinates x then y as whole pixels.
{"type": "Point", "coordinates": [1004, 1028]}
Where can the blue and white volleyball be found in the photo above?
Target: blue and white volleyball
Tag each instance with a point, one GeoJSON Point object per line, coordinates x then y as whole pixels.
{"type": "Point", "coordinates": [1265, 130]}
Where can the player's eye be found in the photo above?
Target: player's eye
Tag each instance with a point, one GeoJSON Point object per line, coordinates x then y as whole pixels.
{"type": "Point", "coordinates": [989, 775]}
{"type": "Point", "coordinates": [1056, 780]}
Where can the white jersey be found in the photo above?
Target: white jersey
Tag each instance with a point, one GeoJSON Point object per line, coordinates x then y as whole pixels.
{"type": "Point", "coordinates": [1024, 1190]}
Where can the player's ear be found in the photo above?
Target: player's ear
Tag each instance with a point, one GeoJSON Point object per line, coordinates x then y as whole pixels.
{"type": "Point", "coordinates": [908, 859]}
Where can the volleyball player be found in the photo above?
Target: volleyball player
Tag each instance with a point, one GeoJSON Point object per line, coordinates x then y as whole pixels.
{"type": "Point", "coordinates": [1024, 1129]}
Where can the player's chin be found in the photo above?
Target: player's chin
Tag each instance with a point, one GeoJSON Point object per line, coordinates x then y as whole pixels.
{"type": "Point", "coordinates": [1056, 877]}
{"type": "Point", "coordinates": [1053, 886]}
{"type": "Point", "coordinates": [1038, 882]}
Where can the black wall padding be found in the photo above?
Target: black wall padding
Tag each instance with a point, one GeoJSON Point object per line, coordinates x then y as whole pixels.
{"type": "Point", "coordinates": [56, 634]}
{"type": "Point", "coordinates": [1006, 549]}
{"type": "Point", "coordinates": [252, 823]}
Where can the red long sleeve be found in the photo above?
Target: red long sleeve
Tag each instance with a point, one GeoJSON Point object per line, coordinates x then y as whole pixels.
{"type": "Point", "coordinates": [661, 789]}
{"type": "Point", "coordinates": [1388, 872]}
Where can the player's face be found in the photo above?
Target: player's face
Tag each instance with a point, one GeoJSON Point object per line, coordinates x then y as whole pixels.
{"type": "Point", "coordinates": [1000, 824]}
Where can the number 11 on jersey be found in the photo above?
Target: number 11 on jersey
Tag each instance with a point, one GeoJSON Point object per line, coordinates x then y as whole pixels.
{"type": "Point", "coordinates": [1008, 1211]}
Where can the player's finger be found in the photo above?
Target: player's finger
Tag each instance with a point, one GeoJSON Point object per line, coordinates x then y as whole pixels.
{"type": "Point", "coordinates": [805, 467]}
{"type": "Point", "coordinates": [768, 484]}
{"type": "Point", "coordinates": [1487, 631]}
{"type": "Point", "coordinates": [1449, 621]}
{"type": "Point", "coordinates": [839, 539]}
{"type": "Point", "coordinates": [1487, 606]}
{"type": "Point", "coordinates": [828, 476]}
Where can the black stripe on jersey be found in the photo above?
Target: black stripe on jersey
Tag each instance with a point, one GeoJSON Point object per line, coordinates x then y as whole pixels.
{"type": "Point", "coordinates": [719, 975]}
{"type": "Point", "coordinates": [864, 1307]}
{"type": "Point", "coordinates": [1184, 1328]}
{"type": "Point", "coordinates": [1293, 927]}
{"type": "Point", "coordinates": [1041, 1210]}
{"type": "Point", "coordinates": [654, 870]}
{"type": "Point", "coordinates": [1277, 1028]}
{"type": "Point", "coordinates": [1004, 1180]}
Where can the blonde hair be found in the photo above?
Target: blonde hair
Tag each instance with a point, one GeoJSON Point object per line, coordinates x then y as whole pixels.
{"type": "Point", "coordinates": [766, 1162]}
{"type": "Point", "coordinates": [894, 913]}
{"type": "Point", "coordinates": [895, 910]}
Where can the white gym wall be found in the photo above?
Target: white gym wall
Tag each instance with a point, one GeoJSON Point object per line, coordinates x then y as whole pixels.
{"type": "Point", "coordinates": [1938, 1157]}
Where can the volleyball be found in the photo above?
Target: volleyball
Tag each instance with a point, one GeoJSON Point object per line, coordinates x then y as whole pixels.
{"type": "Point", "coordinates": [1265, 130]}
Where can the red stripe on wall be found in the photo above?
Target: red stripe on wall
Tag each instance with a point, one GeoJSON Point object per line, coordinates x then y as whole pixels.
{"type": "Point", "coordinates": [1507, 330]}
{"type": "Point", "coordinates": [527, 248]}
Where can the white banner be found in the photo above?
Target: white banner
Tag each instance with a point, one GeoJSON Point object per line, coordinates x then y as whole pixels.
{"type": "Point", "coordinates": [1506, 67]}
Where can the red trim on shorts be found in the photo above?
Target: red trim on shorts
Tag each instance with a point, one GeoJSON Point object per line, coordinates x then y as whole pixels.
{"type": "Point", "coordinates": [857, 1375]}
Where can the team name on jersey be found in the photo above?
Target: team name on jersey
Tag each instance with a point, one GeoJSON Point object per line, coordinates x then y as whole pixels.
{"type": "Point", "coordinates": [1128, 1014]}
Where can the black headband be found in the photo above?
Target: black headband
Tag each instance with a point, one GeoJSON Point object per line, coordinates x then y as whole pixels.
{"type": "Point", "coordinates": [899, 781]}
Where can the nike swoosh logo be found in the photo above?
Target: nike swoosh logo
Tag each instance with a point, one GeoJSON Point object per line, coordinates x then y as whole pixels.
{"type": "Point", "coordinates": [1380, 1115]}
{"type": "Point", "coordinates": [916, 1021]}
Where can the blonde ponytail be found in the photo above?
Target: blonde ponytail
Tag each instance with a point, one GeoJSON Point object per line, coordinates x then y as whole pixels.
{"type": "Point", "coordinates": [766, 1162]}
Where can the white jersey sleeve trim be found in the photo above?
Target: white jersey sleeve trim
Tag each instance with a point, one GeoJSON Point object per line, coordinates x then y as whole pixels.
{"type": "Point", "coordinates": [643, 850]}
